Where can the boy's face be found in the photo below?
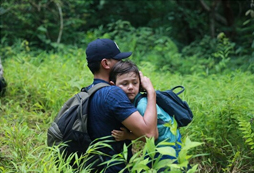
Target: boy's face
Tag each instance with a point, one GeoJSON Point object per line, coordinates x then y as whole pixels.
{"type": "Point", "coordinates": [129, 83]}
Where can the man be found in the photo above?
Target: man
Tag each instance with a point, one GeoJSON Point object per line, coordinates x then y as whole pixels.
{"type": "Point", "coordinates": [110, 108]}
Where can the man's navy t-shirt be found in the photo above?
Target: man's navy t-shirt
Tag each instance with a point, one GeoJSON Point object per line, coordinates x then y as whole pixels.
{"type": "Point", "coordinates": [108, 107]}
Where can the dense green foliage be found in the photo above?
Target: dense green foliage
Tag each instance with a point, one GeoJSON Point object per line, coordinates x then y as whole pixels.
{"type": "Point", "coordinates": [207, 46]}
{"type": "Point", "coordinates": [39, 85]}
{"type": "Point", "coordinates": [47, 24]}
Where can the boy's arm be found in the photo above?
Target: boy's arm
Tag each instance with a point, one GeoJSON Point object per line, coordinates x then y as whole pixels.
{"type": "Point", "coordinates": [123, 134]}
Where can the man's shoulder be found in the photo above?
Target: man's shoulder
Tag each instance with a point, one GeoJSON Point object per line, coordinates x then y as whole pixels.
{"type": "Point", "coordinates": [112, 89]}
{"type": "Point", "coordinates": [111, 93]}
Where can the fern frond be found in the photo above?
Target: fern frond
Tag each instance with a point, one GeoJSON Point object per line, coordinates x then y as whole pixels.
{"type": "Point", "coordinates": [248, 134]}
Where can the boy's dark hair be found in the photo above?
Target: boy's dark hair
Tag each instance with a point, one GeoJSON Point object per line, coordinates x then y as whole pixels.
{"type": "Point", "coordinates": [123, 67]}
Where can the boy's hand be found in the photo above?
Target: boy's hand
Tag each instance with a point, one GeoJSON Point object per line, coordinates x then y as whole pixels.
{"type": "Point", "coordinates": [121, 134]}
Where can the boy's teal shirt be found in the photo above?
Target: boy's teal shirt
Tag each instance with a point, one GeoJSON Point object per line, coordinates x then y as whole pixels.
{"type": "Point", "coordinates": [164, 132]}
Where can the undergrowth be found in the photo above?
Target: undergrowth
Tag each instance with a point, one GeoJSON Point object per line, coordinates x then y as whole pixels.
{"type": "Point", "coordinates": [222, 105]}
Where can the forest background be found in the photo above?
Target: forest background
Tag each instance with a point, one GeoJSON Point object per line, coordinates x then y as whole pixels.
{"type": "Point", "coordinates": [207, 46]}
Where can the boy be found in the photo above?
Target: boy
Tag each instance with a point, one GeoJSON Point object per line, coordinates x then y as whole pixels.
{"type": "Point", "coordinates": [125, 75]}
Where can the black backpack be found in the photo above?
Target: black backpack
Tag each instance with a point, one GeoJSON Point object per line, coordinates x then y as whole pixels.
{"type": "Point", "coordinates": [172, 104]}
{"type": "Point", "coordinates": [70, 124]}
{"type": "Point", "coordinates": [3, 85]}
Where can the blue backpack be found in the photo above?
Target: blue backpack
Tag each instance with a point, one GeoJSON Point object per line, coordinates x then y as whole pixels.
{"type": "Point", "coordinates": [172, 104]}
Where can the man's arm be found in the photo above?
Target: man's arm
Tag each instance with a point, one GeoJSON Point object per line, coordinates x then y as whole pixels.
{"type": "Point", "coordinates": [144, 125]}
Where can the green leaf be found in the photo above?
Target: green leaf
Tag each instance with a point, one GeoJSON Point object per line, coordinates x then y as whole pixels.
{"type": "Point", "coordinates": [141, 165]}
{"type": "Point", "coordinates": [125, 152]}
{"type": "Point", "coordinates": [188, 144]}
{"type": "Point", "coordinates": [167, 151]}
{"type": "Point", "coordinates": [165, 163]}
{"type": "Point", "coordinates": [249, 140]}
{"type": "Point", "coordinates": [42, 29]}
{"type": "Point", "coordinates": [193, 169]}
{"type": "Point", "coordinates": [150, 147]}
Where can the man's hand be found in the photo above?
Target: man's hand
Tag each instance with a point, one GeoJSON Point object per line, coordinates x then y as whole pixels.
{"type": "Point", "coordinates": [146, 83]}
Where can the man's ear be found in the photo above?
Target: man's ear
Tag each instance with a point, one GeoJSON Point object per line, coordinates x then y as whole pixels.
{"type": "Point", "coordinates": [105, 64]}
{"type": "Point", "coordinates": [111, 83]}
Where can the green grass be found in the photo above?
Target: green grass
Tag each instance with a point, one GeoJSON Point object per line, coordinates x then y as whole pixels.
{"type": "Point", "coordinates": [38, 86]}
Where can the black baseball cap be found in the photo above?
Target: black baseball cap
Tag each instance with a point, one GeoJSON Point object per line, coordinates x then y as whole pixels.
{"type": "Point", "coordinates": [104, 48]}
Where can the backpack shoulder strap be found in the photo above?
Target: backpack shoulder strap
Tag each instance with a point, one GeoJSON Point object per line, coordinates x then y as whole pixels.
{"type": "Point", "coordinates": [139, 97]}
{"type": "Point", "coordinates": [92, 90]}
{"type": "Point", "coordinates": [97, 87]}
